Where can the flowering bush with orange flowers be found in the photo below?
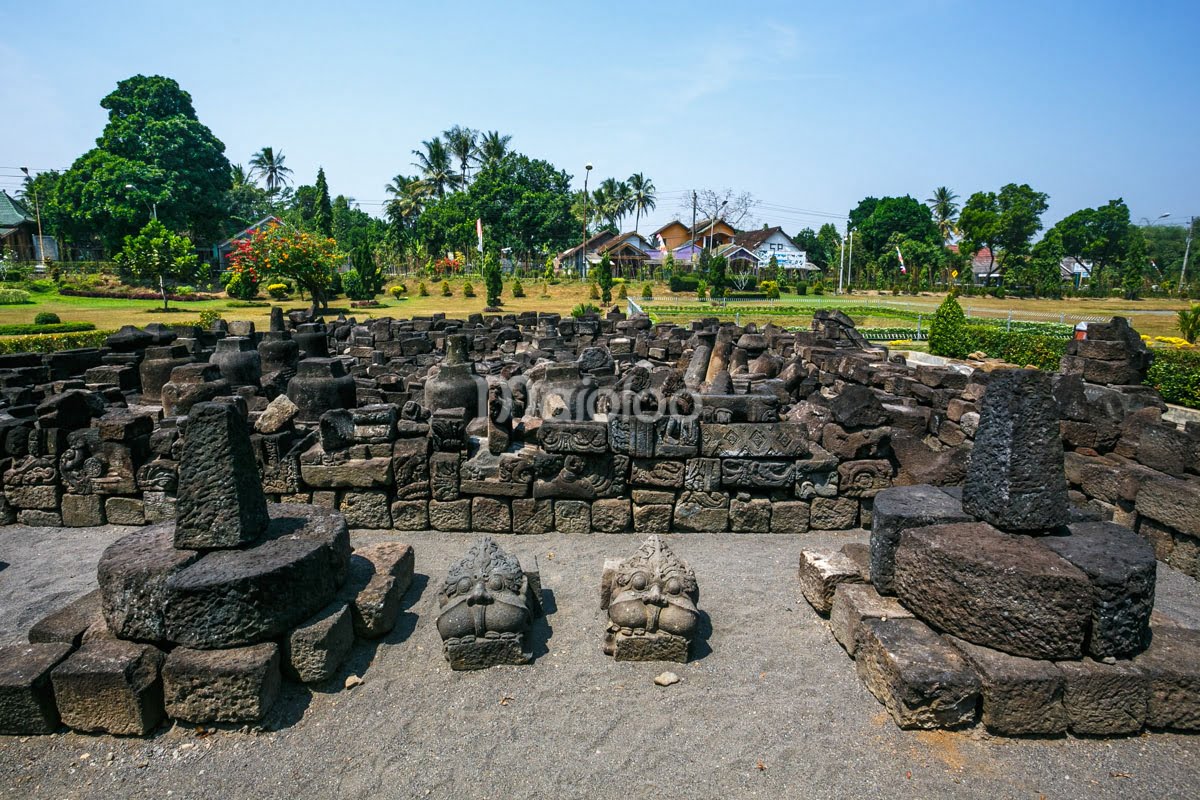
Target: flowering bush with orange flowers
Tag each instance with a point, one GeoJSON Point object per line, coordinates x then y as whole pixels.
{"type": "Point", "coordinates": [308, 259]}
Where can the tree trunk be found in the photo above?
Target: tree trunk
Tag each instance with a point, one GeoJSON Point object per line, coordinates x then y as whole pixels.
{"type": "Point", "coordinates": [162, 288]}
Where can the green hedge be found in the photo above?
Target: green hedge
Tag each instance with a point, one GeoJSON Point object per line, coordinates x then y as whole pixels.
{"type": "Point", "coordinates": [53, 342]}
{"type": "Point", "coordinates": [25, 329]}
{"type": "Point", "coordinates": [1018, 347]}
{"type": "Point", "coordinates": [14, 297]}
{"type": "Point", "coordinates": [1175, 373]}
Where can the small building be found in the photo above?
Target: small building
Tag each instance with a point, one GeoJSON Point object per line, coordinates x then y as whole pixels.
{"type": "Point", "coordinates": [769, 242]}
{"type": "Point", "coordinates": [19, 232]}
{"type": "Point", "coordinates": [672, 235]}
{"type": "Point", "coordinates": [628, 253]}
{"type": "Point", "coordinates": [577, 258]}
{"type": "Point", "coordinates": [1075, 271]}
{"type": "Point", "coordinates": [739, 260]}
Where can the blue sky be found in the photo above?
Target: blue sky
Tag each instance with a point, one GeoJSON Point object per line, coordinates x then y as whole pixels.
{"type": "Point", "coordinates": [809, 106]}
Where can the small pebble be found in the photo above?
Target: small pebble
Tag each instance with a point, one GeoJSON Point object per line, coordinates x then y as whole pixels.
{"type": "Point", "coordinates": [666, 679]}
{"type": "Point", "coordinates": [353, 681]}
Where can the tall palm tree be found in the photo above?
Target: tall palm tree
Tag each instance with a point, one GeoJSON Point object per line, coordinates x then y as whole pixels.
{"type": "Point", "coordinates": [945, 211]}
{"type": "Point", "coordinates": [492, 147]}
{"type": "Point", "coordinates": [461, 142]}
{"type": "Point", "coordinates": [437, 171]}
{"type": "Point", "coordinates": [642, 196]}
{"type": "Point", "coordinates": [408, 199]}
{"type": "Point", "coordinates": [268, 164]}
{"type": "Point", "coordinates": [238, 175]}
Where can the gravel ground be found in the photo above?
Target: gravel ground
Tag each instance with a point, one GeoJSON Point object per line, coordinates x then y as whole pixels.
{"type": "Point", "coordinates": [771, 708]}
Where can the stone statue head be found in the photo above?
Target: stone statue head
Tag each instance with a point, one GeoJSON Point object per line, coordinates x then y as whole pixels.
{"type": "Point", "coordinates": [654, 590]}
{"type": "Point", "coordinates": [483, 593]}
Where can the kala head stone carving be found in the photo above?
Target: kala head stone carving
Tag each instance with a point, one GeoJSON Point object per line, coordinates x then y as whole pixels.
{"type": "Point", "coordinates": [488, 602]}
{"type": "Point", "coordinates": [651, 601]}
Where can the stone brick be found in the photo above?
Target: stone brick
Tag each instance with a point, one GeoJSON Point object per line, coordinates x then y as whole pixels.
{"type": "Point", "coordinates": [450, 515]}
{"type": "Point", "coordinates": [533, 515]}
{"type": "Point", "coordinates": [611, 516]}
{"type": "Point", "coordinates": [82, 510]}
{"type": "Point", "coordinates": [317, 647]}
{"type": "Point", "coordinates": [898, 509]}
{"type": "Point", "coordinates": [366, 509]}
{"type": "Point", "coordinates": [653, 518]}
{"type": "Point", "coordinates": [158, 506]}
{"type": "Point", "coordinates": [67, 624]}
{"type": "Point", "coordinates": [855, 602]}
{"type": "Point", "coordinates": [572, 516]}
{"type": "Point", "coordinates": [236, 685]}
{"type": "Point", "coordinates": [1104, 699]}
{"type": "Point", "coordinates": [27, 705]}
{"type": "Point", "coordinates": [1173, 503]}
{"type": "Point", "coordinates": [921, 680]}
{"type": "Point", "coordinates": [490, 515]}
{"type": "Point", "coordinates": [1172, 665]}
{"type": "Point", "coordinates": [702, 512]}
{"type": "Point", "coordinates": [750, 515]}
{"type": "Point", "coordinates": [36, 518]}
{"type": "Point", "coordinates": [110, 686]}
{"type": "Point", "coordinates": [789, 516]}
{"type": "Point", "coordinates": [820, 576]}
{"type": "Point", "coordinates": [833, 513]}
{"type": "Point", "coordinates": [1021, 696]}
{"type": "Point", "coordinates": [124, 511]}
{"type": "Point", "coordinates": [410, 515]}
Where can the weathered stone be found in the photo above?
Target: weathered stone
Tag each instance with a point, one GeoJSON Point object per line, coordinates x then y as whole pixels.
{"type": "Point", "coordinates": [573, 437]}
{"type": "Point", "coordinates": [659, 473]}
{"type": "Point", "coordinates": [125, 511]}
{"type": "Point", "coordinates": [631, 435]}
{"type": "Point", "coordinates": [750, 515]}
{"type": "Point", "coordinates": [491, 515]}
{"type": "Point", "coordinates": [833, 513]}
{"type": "Point", "coordinates": [753, 440]}
{"type": "Point", "coordinates": [410, 515]}
{"type": "Point", "coordinates": [234, 685]}
{"type": "Point", "coordinates": [1015, 477]}
{"type": "Point", "coordinates": [1021, 696]}
{"type": "Point", "coordinates": [820, 575]}
{"type": "Point", "coordinates": [921, 680]}
{"type": "Point", "coordinates": [864, 478]}
{"type": "Point", "coordinates": [365, 473]}
{"type": "Point", "coordinates": [314, 650]}
{"type": "Point", "coordinates": [651, 602]}
{"type": "Point", "coordinates": [82, 510]}
{"type": "Point", "coordinates": [702, 512]}
{"type": "Point", "coordinates": [27, 705]}
{"type": "Point", "coordinates": [1104, 699]}
{"type": "Point", "coordinates": [572, 516]}
{"type": "Point", "coordinates": [994, 589]}
{"type": "Point", "coordinates": [532, 515]}
{"type": "Point", "coordinates": [36, 518]}
{"type": "Point", "coordinates": [221, 502]}
{"type": "Point", "coordinates": [110, 686]}
{"type": "Point", "coordinates": [745, 473]}
{"type": "Point", "coordinates": [1122, 569]}
{"type": "Point", "coordinates": [652, 518]}
{"type": "Point", "coordinates": [278, 414]}
{"type": "Point", "coordinates": [611, 516]}
{"type": "Point", "coordinates": [1172, 665]}
{"type": "Point", "coordinates": [790, 516]}
{"type": "Point", "coordinates": [133, 575]}
{"type": "Point", "coordinates": [855, 602]}
{"type": "Point", "coordinates": [1172, 502]}
{"type": "Point", "coordinates": [702, 474]}
{"type": "Point", "coordinates": [67, 624]}
{"type": "Point", "coordinates": [366, 509]}
{"type": "Point", "coordinates": [450, 515]}
{"type": "Point", "coordinates": [898, 509]}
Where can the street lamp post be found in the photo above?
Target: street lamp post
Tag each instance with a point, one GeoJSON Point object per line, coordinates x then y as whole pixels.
{"type": "Point", "coordinates": [37, 211]}
{"type": "Point", "coordinates": [713, 224]}
{"type": "Point", "coordinates": [587, 173]}
{"type": "Point", "coordinates": [153, 204]}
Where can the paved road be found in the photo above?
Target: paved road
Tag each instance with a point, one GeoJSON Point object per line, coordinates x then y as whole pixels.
{"type": "Point", "coordinates": [772, 709]}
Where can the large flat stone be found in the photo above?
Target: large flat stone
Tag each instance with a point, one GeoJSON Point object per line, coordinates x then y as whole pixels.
{"type": "Point", "coordinates": [1174, 503]}
{"type": "Point", "coordinates": [231, 598]}
{"type": "Point", "coordinates": [898, 509]}
{"type": "Point", "coordinates": [852, 604]}
{"type": "Point", "coordinates": [754, 440]}
{"type": "Point", "coordinates": [994, 589]}
{"type": "Point", "coordinates": [68, 623]}
{"type": "Point", "coordinates": [236, 685]}
{"type": "Point", "coordinates": [315, 649]}
{"type": "Point", "coordinates": [110, 686]}
{"type": "Point", "coordinates": [27, 705]}
{"type": "Point", "coordinates": [921, 680]}
{"type": "Point", "coordinates": [1104, 699]}
{"type": "Point", "coordinates": [1021, 696]}
{"type": "Point", "coordinates": [133, 574]}
{"type": "Point", "coordinates": [1172, 666]}
{"type": "Point", "coordinates": [1122, 569]}
{"type": "Point", "coordinates": [820, 575]}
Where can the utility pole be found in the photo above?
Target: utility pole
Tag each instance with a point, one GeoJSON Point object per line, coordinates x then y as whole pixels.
{"type": "Point", "coordinates": [587, 173]}
{"type": "Point", "coordinates": [850, 262]}
{"type": "Point", "coordinates": [1187, 250]}
{"type": "Point", "coordinates": [842, 258]}
{"type": "Point", "coordinates": [693, 242]}
{"type": "Point", "coordinates": [37, 210]}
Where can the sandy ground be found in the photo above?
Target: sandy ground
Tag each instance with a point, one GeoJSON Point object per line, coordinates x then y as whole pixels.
{"type": "Point", "coordinates": [770, 708]}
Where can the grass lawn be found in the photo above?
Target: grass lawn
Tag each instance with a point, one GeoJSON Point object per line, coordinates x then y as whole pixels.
{"type": "Point", "coordinates": [1154, 317]}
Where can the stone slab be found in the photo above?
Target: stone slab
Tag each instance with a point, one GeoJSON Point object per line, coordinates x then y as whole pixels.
{"type": "Point", "coordinates": [1172, 666]}
{"type": "Point", "coordinates": [898, 509]}
{"type": "Point", "coordinates": [27, 705]}
{"type": "Point", "coordinates": [820, 574]}
{"type": "Point", "coordinates": [67, 624]}
{"type": "Point", "coordinates": [110, 686]}
{"type": "Point", "coordinates": [234, 685]}
{"type": "Point", "coordinates": [313, 651]}
{"type": "Point", "coordinates": [1021, 696]}
{"type": "Point", "coordinates": [1104, 699]}
{"type": "Point", "coordinates": [855, 602]}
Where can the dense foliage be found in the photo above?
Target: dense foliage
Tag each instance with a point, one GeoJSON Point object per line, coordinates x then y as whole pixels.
{"type": "Point", "coordinates": [1017, 346]}
{"type": "Point", "coordinates": [305, 258]}
{"type": "Point", "coordinates": [1175, 373]}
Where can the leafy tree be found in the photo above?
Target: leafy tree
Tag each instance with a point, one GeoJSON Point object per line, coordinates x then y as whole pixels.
{"type": "Point", "coordinates": [714, 270]}
{"type": "Point", "coordinates": [829, 241]}
{"type": "Point", "coordinates": [1005, 223]}
{"type": "Point", "coordinates": [1189, 323]}
{"type": "Point", "coordinates": [1133, 263]}
{"type": "Point", "coordinates": [613, 201]}
{"type": "Point", "coordinates": [323, 212]}
{"type": "Point", "coordinates": [268, 164]}
{"type": "Point", "coordinates": [154, 143]}
{"type": "Point", "coordinates": [948, 334]}
{"type": "Point", "coordinates": [945, 211]}
{"type": "Point", "coordinates": [642, 196]}
{"type": "Point", "coordinates": [1099, 235]}
{"type": "Point", "coordinates": [245, 202]}
{"type": "Point", "coordinates": [40, 193]}
{"type": "Point", "coordinates": [305, 258]}
{"type": "Point", "coordinates": [604, 278]}
{"type": "Point", "coordinates": [437, 171]}
{"type": "Point", "coordinates": [888, 217]}
{"type": "Point", "coordinates": [1042, 273]}
{"type": "Point", "coordinates": [157, 254]}
{"type": "Point", "coordinates": [492, 281]}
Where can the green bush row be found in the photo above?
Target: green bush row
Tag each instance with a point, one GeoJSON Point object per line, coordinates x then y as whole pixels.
{"type": "Point", "coordinates": [26, 329]}
{"type": "Point", "coordinates": [1018, 347]}
{"type": "Point", "coordinates": [53, 342]}
{"type": "Point", "coordinates": [1175, 373]}
{"type": "Point", "coordinates": [14, 297]}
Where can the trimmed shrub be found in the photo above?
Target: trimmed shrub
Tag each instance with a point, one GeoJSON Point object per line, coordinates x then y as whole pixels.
{"type": "Point", "coordinates": [355, 287]}
{"type": "Point", "coordinates": [593, 292]}
{"type": "Point", "coordinates": [1189, 323]}
{"type": "Point", "coordinates": [422, 289]}
{"type": "Point", "coordinates": [1175, 373]}
{"type": "Point", "coordinates": [14, 297]}
{"type": "Point", "coordinates": [278, 291]}
{"type": "Point", "coordinates": [684, 283]}
{"type": "Point", "coordinates": [647, 291]}
{"type": "Point", "coordinates": [468, 289]}
{"type": "Point", "coordinates": [622, 292]}
{"type": "Point", "coordinates": [398, 290]}
{"type": "Point", "coordinates": [583, 309]}
{"type": "Point", "coordinates": [130, 294]}
{"type": "Point", "coordinates": [517, 289]}
{"type": "Point", "coordinates": [22, 329]}
{"type": "Point", "coordinates": [52, 342]}
{"type": "Point", "coordinates": [1015, 346]}
{"type": "Point", "coordinates": [446, 290]}
{"type": "Point", "coordinates": [948, 335]}
{"type": "Point", "coordinates": [801, 287]}
{"type": "Point", "coordinates": [46, 318]}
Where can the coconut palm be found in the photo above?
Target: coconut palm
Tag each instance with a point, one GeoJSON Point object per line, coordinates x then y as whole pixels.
{"type": "Point", "coordinates": [268, 165]}
{"type": "Point", "coordinates": [641, 195]}
{"type": "Point", "coordinates": [408, 198]}
{"type": "Point", "coordinates": [461, 143]}
{"type": "Point", "coordinates": [492, 147]}
{"type": "Point", "coordinates": [945, 211]}
{"type": "Point", "coordinates": [437, 171]}
{"type": "Point", "coordinates": [238, 176]}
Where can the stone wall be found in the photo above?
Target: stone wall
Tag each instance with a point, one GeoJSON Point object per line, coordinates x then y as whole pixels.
{"type": "Point", "coordinates": [532, 423]}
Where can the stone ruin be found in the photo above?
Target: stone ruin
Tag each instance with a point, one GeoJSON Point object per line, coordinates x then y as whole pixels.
{"type": "Point", "coordinates": [199, 618]}
{"type": "Point", "coordinates": [1004, 598]}
{"type": "Point", "coordinates": [534, 423]}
